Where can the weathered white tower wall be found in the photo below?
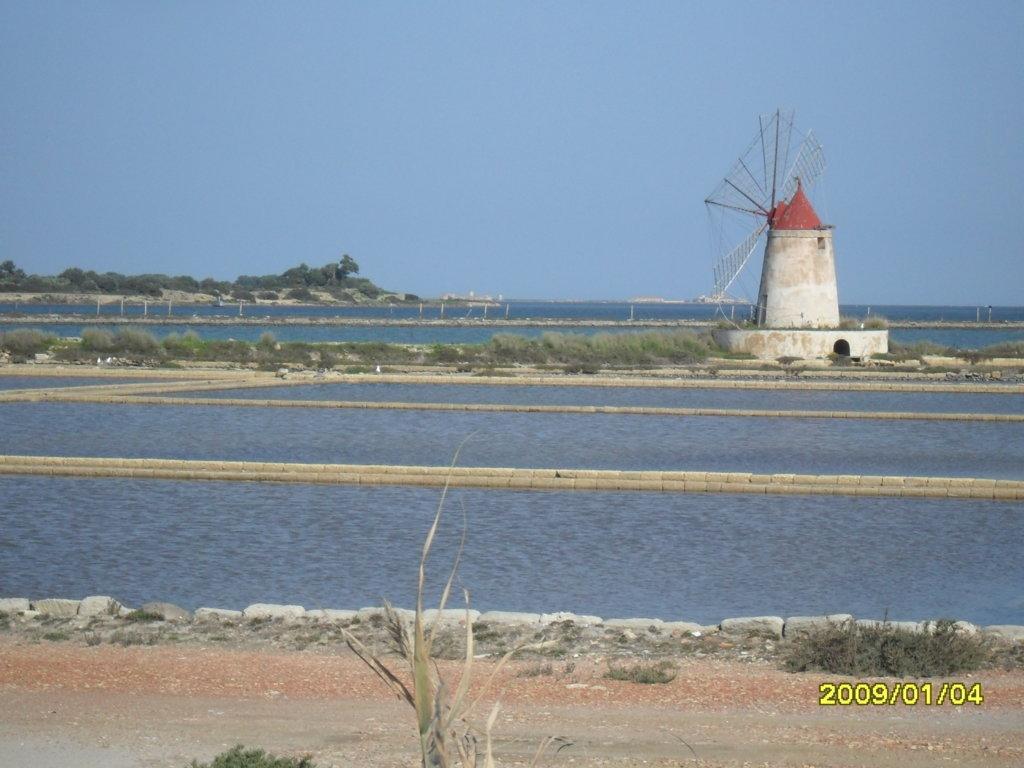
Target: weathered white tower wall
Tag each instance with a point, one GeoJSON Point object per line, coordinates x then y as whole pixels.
{"type": "Point", "coordinates": [798, 280]}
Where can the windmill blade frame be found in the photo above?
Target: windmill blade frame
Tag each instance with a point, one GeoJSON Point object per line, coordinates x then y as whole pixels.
{"type": "Point", "coordinates": [765, 174]}
{"type": "Point", "coordinates": [729, 266]}
{"type": "Point", "coordinates": [808, 166]}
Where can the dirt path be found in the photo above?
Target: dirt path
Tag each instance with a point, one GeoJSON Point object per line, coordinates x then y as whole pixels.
{"type": "Point", "coordinates": [85, 707]}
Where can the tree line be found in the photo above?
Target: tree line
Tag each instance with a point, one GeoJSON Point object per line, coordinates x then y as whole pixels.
{"type": "Point", "coordinates": [336, 278]}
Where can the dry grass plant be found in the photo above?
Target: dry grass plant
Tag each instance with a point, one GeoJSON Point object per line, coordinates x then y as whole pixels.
{"type": "Point", "coordinates": [446, 736]}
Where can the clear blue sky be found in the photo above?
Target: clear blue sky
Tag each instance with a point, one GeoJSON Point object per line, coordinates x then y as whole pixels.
{"type": "Point", "coordinates": [549, 150]}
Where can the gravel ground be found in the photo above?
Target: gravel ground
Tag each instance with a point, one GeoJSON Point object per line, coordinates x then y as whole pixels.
{"type": "Point", "coordinates": [77, 706]}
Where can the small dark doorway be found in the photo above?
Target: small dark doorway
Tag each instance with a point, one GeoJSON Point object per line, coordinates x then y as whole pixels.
{"type": "Point", "coordinates": [842, 348]}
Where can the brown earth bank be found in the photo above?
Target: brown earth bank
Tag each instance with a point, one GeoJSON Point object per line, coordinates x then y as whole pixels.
{"type": "Point", "coordinates": [74, 705]}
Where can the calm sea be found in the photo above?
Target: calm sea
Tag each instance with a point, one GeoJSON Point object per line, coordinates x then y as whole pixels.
{"type": "Point", "coordinates": [613, 554]}
{"type": "Point", "coordinates": [693, 557]}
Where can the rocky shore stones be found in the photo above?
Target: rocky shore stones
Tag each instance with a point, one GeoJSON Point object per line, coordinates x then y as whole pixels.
{"type": "Point", "coordinates": [687, 628]}
{"type": "Point", "coordinates": [330, 614]}
{"type": "Point", "coordinates": [369, 614]}
{"type": "Point", "coordinates": [217, 614]}
{"type": "Point", "coordinates": [906, 626]}
{"type": "Point", "coordinates": [635, 624]}
{"type": "Point", "coordinates": [57, 606]}
{"type": "Point", "coordinates": [509, 617]}
{"type": "Point", "coordinates": [1013, 632]}
{"type": "Point", "coordinates": [14, 604]}
{"type": "Point", "coordinates": [559, 616]}
{"type": "Point", "coordinates": [450, 616]}
{"type": "Point", "coordinates": [754, 625]}
{"type": "Point", "coordinates": [167, 611]}
{"type": "Point", "coordinates": [797, 626]}
{"type": "Point", "coordinates": [965, 628]}
{"type": "Point", "coordinates": [99, 605]}
{"type": "Point", "coordinates": [273, 611]}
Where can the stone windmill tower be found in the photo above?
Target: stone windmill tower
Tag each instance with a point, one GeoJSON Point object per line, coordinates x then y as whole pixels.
{"type": "Point", "coordinates": [763, 199]}
{"type": "Point", "coordinates": [798, 278]}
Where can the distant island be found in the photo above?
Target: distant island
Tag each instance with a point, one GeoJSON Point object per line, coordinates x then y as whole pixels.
{"type": "Point", "coordinates": [335, 282]}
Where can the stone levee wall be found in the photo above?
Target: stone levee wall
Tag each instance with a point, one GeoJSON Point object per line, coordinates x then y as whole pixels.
{"type": "Point", "coordinates": [771, 626]}
{"type": "Point", "coordinates": [523, 479]}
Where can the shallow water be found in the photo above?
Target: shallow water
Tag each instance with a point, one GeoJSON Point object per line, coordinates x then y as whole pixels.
{"type": "Point", "coordinates": [671, 556]}
{"type": "Point", "coordinates": [763, 445]}
{"type": "Point", "coordinates": [37, 382]}
{"type": "Point", "coordinates": [797, 400]}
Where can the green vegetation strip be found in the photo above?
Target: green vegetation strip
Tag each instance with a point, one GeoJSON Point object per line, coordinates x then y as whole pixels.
{"type": "Point", "coordinates": [519, 479]}
{"type": "Point", "coordinates": [625, 410]}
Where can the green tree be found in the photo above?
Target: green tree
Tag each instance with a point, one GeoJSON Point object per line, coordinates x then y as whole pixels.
{"type": "Point", "coordinates": [9, 272]}
{"type": "Point", "coordinates": [348, 266]}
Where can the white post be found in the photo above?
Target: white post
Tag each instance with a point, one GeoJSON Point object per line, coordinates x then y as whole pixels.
{"type": "Point", "coordinates": [145, 307]}
{"type": "Point", "coordinates": [485, 311]}
{"type": "Point", "coordinates": [421, 310]}
{"type": "Point", "coordinates": [168, 307]}
{"type": "Point", "coordinates": [506, 311]}
{"type": "Point", "coordinates": [97, 307]}
{"type": "Point", "coordinates": [977, 314]}
{"type": "Point", "coordinates": [442, 310]}
{"type": "Point", "coordinates": [239, 307]}
{"type": "Point", "coordinates": [122, 306]}
{"type": "Point", "coordinates": [990, 313]}
{"type": "Point", "coordinates": [630, 313]}
{"type": "Point", "coordinates": [732, 316]}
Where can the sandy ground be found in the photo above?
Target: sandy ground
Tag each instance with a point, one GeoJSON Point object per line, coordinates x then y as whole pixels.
{"type": "Point", "coordinates": [85, 707]}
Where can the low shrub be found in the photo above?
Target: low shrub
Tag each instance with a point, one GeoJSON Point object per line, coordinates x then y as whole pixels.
{"type": "Point", "coordinates": [187, 345]}
{"type": "Point", "coordinates": [915, 351]}
{"type": "Point", "coordinates": [633, 349]}
{"type": "Point", "coordinates": [1003, 349]}
{"type": "Point", "coordinates": [876, 322]}
{"type": "Point", "coordinates": [268, 295]}
{"type": "Point", "coordinates": [537, 670]}
{"type": "Point", "coordinates": [301, 294]}
{"type": "Point", "coordinates": [127, 341]}
{"type": "Point", "coordinates": [25, 341]}
{"type": "Point", "coordinates": [240, 757]}
{"type": "Point", "coordinates": [645, 673]}
{"type": "Point", "coordinates": [97, 340]}
{"type": "Point", "coordinates": [136, 341]}
{"type": "Point", "coordinates": [872, 322]}
{"type": "Point", "coordinates": [887, 650]}
{"type": "Point", "coordinates": [140, 615]}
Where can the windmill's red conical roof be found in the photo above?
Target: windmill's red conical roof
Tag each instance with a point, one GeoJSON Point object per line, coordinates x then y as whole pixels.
{"type": "Point", "coordinates": [796, 214]}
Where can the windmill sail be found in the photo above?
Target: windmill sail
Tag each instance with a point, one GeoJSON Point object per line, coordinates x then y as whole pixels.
{"type": "Point", "coordinates": [765, 174]}
{"type": "Point", "coordinates": [807, 167]}
{"type": "Point", "coordinates": [732, 263]}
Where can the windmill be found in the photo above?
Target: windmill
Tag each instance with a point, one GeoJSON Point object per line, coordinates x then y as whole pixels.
{"type": "Point", "coordinates": [763, 199]}
{"type": "Point", "coordinates": [778, 166]}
